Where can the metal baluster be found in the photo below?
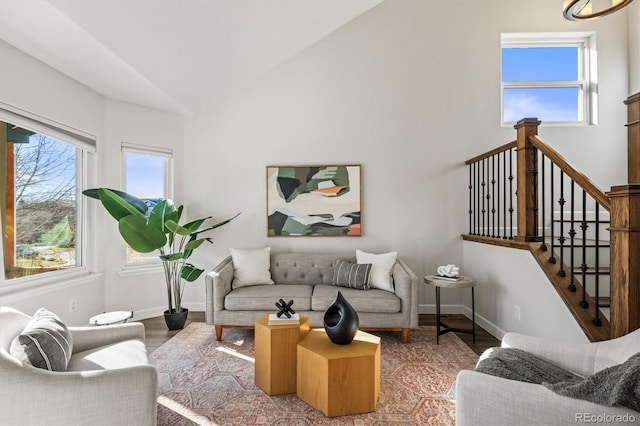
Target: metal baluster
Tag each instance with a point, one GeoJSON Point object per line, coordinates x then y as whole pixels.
{"type": "Point", "coordinates": [511, 194]}
{"type": "Point", "coordinates": [470, 201]}
{"type": "Point", "coordinates": [543, 246]}
{"type": "Point", "coordinates": [498, 197]}
{"type": "Point", "coordinates": [572, 234]}
{"type": "Point", "coordinates": [561, 238]}
{"type": "Point", "coordinates": [504, 189]}
{"type": "Point", "coordinates": [583, 267]}
{"type": "Point", "coordinates": [552, 258]}
{"type": "Point", "coordinates": [477, 192]}
{"type": "Point", "coordinates": [493, 196]}
{"type": "Point", "coordinates": [534, 208]}
{"type": "Point", "coordinates": [596, 318]}
{"type": "Point", "coordinates": [484, 211]}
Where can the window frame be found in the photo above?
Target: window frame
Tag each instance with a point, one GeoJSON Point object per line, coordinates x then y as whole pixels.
{"type": "Point", "coordinates": [587, 72]}
{"type": "Point", "coordinates": [85, 146]}
{"type": "Point", "coordinates": [167, 155]}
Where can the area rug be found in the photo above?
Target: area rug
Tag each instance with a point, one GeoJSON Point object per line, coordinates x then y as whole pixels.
{"type": "Point", "coordinates": [205, 382]}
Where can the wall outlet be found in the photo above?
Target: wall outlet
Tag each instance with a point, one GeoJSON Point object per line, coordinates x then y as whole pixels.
{"type": "Point", "coordinates": [73, 305]}
{"type": "Point", "coordinates": [517, 313]}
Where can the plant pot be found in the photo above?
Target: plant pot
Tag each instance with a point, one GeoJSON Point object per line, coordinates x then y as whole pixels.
{"type": "Point", "coordinates": [175, 321]}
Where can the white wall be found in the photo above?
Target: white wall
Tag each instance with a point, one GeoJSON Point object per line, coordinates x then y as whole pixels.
{"type": "Point", "coordinates": [33, 86]}
{"type": "Point", "coordinates": [409, 90]}
{"type": "Point", "coordinates": [634, 47]}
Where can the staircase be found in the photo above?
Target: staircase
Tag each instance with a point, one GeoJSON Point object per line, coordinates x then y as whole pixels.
{"type": "Point", "coordinates": [524, 195]}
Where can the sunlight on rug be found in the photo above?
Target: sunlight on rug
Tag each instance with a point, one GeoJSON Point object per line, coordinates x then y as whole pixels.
{"type": "Point", "coordinates": [205, 382]}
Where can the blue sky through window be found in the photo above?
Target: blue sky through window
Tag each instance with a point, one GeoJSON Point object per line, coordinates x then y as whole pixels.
{"type": "Point", "coordinates": [540, 65]}
{"type": "Point", "coordinates": [145, 175]}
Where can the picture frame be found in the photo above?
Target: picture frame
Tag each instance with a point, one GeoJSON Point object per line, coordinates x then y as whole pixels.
{"type": "Point", "coordinates": [314, 201]}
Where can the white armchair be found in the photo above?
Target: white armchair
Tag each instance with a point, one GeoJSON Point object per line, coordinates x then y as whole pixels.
{"type": "Point", "coordinates": [482, 399]}
{"type": "Point", "coordinates": [109, 380]}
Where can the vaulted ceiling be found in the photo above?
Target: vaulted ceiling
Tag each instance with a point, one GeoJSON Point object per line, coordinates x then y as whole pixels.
{"type": "Point", "coordinates": [174, 55]}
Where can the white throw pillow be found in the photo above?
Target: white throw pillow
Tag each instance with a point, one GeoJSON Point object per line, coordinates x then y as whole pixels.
{"type": "Point", "coordinates": [381, 269]}
{"type": "Point", "coordinates": [251, 267]}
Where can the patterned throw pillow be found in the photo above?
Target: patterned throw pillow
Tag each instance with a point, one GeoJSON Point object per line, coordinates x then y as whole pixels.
{"type": "Point", "coordinates": [44, 343]}
{"type": "Point", "coordinates": [352, 275]}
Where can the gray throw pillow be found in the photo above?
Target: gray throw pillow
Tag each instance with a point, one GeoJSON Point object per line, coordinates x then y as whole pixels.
{"type": "Point", "coordinates": [352, 275]}
{"type": "Point", "coordinates": [44, 343]}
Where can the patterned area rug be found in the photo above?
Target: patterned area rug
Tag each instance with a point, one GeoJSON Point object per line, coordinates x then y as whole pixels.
{"type": "Point", "coordinates": [205, 382]}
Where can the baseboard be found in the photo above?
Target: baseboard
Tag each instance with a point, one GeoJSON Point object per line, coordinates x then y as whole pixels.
{"type": "Point", "coordinates": [481, 321]}
{"type": "Point", "coordinates": [158, 311]}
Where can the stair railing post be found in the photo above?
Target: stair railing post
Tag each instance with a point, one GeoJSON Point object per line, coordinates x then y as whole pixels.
{"type": "Point", "coordinates": [527, 181]}
{"type": "Point", "coordinates": [625, 234]}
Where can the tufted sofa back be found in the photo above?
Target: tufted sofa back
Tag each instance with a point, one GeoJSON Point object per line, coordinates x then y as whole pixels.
{"type": "Point", "coordinates": [304, 268]}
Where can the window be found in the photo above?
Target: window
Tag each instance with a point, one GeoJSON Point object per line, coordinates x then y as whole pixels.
{"type": "Point", "coordinates": [548, 76]}
{"type": "Point", "coordinates": [41, 169]}
{"type": "Point", "coordinates": [147, 175]}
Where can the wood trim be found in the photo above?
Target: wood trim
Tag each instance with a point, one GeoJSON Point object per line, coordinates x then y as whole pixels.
{"type": "Point", "coordinates": [491, 153]}
{"type": "Point", "coordinates": [633, 138]}
{"type": "Point", "coordinates": [583, 181]}
{"type": "Point", "coordinates": [572, 299]}
{"type": "Point", "coordinates": [496, 241]}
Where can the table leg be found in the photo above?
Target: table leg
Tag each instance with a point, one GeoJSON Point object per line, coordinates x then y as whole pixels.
{"type": "Point", "coordinates": [437, 315]}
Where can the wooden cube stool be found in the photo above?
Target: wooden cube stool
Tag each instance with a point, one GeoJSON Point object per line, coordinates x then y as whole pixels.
{"type": "Point", "coordinates": [275, 354]}
{"type": "Point", "coordinates": [339, 379]}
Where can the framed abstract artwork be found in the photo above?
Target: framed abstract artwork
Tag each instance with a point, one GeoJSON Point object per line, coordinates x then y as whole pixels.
{"type": "Point", "coordinates": [314, 201]}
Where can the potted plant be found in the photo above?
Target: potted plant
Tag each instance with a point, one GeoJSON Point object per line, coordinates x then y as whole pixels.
{"type": "Point", "coordinates": [146, 230]}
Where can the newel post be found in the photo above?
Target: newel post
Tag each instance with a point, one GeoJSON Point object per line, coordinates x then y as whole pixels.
{"type": "Point", "coordinates": [625, 235]}
{"type": "Point", "coordinates": [527, 180]}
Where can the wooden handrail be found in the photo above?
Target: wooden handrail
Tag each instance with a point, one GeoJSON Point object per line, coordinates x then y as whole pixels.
{"type": "Point", "coordinates": [491, 153]}
{"type": "Point", "coordinates": [583, 181]}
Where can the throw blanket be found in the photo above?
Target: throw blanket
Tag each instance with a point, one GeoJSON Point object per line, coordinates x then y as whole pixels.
{"type": "Point", "coordinates": [616, 385]}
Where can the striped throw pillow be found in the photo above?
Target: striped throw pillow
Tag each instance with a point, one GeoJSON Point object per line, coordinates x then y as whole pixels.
{"type": "Point", "coordinates": [352, 275]}
{"type": "Point", "coordinates": [44, 343]}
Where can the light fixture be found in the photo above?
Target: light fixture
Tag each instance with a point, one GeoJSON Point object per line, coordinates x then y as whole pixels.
{"type": "Point", "coordinates": [575, 10]}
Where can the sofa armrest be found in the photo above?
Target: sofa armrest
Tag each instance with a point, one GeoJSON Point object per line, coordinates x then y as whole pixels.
{"type": "Point", "coordinates": [482, 399]}
{"type": "Point", "coordinates": [85, 338]}
{"type": "Point", "coordinates": [217, 286]}
{"type": "Point", "coordinates": [579, 358]}
{"type": "Point", "coordinates": [405, 284]}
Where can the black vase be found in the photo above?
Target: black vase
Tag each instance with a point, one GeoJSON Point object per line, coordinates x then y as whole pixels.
{"type": "Point", "coordinates": [341, 321]}
{"type": "Point", "coordinates": [175, 320]}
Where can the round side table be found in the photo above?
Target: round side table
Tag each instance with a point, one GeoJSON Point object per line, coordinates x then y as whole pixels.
{"type": "Point", "coordinates": [107, 318]}
{"type": "Point", "coordinates": [444, 282]}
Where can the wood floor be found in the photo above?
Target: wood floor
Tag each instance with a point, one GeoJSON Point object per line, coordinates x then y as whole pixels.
{"type": "Point", "coordinates": [157, 333]}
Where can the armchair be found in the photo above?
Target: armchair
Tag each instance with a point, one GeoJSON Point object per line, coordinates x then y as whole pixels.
{"type": "Point", "coordinates": [482, 399]}
{"type": "Point", "coordinates": [108, 379]}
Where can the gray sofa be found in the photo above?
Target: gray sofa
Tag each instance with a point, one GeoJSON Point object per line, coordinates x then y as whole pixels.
{"type": "Point", "coordinates": [306, 279]}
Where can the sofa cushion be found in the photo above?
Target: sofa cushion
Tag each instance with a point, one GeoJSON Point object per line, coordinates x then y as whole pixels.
{"type": "Point", "coordinates": [303, 268]}
{"type": "Point", "coordinates": [264, 297]}
{"type": "Point", "coordinates": [129, 353]}
{"type": "Point", "coordinates": [362, 301]}
{"type": "Point", "coordinates": [351, 275]}
{"type": "Point", "coordinates": [381, 270]}
{"type": "Point", "coordinates": [251, 267]}
{"type": "Point", "coordinates": [44, 343]}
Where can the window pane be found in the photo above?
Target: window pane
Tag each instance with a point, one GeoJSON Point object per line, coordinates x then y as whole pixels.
{"type": "Point", "coordinates": [547, 104]}
{"type": "Point", "coordinates": [540, 64]}
{"type": "Point", "coordinates": [39, 207]}
{"type": "Point", "coordinates": [145, 178]}
{"type": "Point", "coordinates": [145, 175]}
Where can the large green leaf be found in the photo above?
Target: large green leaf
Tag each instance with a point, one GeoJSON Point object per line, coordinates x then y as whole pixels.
{"type": "Point", "coordinates": [176, 229]}
{"type": "Point", "coordinates": [58, 236]}
{"type": "Point", "coordinates": [193, 244]}
{"type": "Point", "coordinates": [190, 272]}
{"type": "Point", "coordinates": [194, 225]}
{"type": "Point", "coordinates": [133, 200]}
{"type": "Point", "coordinates": [162, 212]}
{"type": "Point", "coordinates": [117, 206]}
{"type": "Point", "coordinates": [140, 235]}
{"type": "Point", "coordinates": [224, 222]}
{"type": "Point", "coordinates": [171, 257]}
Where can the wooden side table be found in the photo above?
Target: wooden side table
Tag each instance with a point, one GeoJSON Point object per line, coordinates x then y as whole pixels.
{"type": "Point", "coordinates": [339, 379]}
{"type": "Point", "coordinates": [438, 283]}
{"type": "Point", "coordinates": [275, 354]}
